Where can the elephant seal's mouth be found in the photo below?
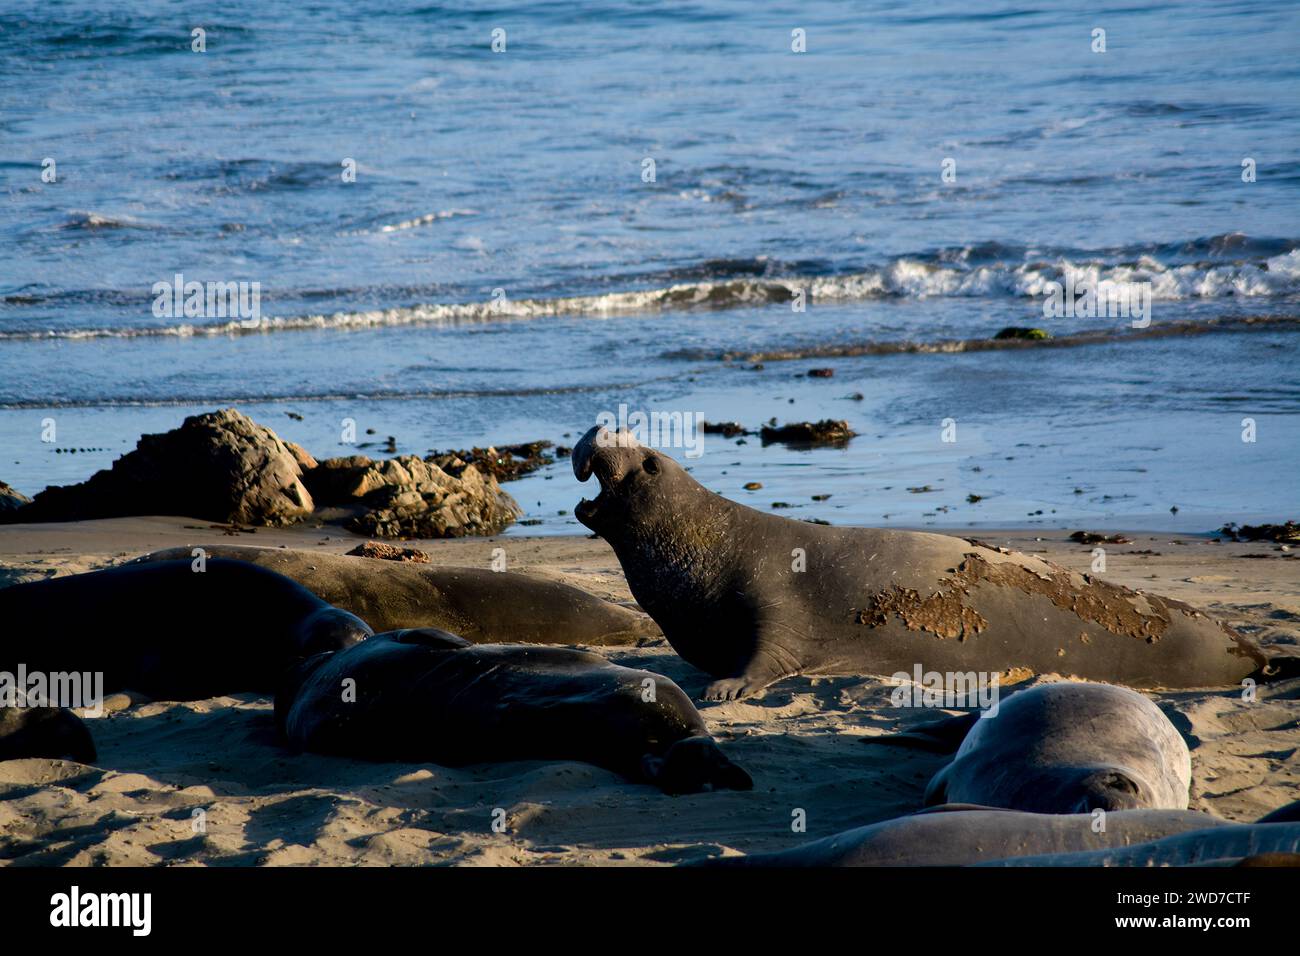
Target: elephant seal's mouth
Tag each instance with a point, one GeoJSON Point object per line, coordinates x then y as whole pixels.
{"type": "Point", "coordinates": [598, 453]}
{"type": "Point", "coordinates": [587, 508]}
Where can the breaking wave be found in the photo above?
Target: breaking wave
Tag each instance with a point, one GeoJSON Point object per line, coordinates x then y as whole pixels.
{"type": "Point", "coordinates": [972, 272]}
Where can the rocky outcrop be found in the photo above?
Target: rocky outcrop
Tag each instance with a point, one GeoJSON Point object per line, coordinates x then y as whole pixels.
{"type": "Point", "coordinates": [507, 463]}
{"type": "Point", "coordinates": [408, 497]}
{"type": "Point", "coordinates": [301, 455]}
{"type": "Point", "coordinates": [224, 467]}
{"type": "Point", "coordinates": [1023, 334]}
{"type": "Point", "coordinates": [11, 499]}
{"type": "Point", "coordinates": [220, 466]}
{"type": "Point", "coordinates": [808, 434]}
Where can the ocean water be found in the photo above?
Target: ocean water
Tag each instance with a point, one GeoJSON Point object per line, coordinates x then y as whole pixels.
{"type": "Point", "coordinates": [504, 268]}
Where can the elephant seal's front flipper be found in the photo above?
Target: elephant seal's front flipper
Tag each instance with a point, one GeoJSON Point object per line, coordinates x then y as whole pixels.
{"type": "Point", "coordinates": [692, 765]}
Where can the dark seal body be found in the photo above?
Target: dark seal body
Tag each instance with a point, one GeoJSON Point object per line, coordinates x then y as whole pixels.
{"type": "Point", "coordinates": [481, 605]}
{"type": "Point", "coordinates": [169, 631]}
{"type": "Point", "coordinates": [425, 695]}
{"type": "Point", "coordinates": [751, 597]}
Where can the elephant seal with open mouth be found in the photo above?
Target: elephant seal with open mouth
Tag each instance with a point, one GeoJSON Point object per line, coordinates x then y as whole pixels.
{"type": "Point", "coordinates": [751, 597]}
{"type": "Point", "coordinates": [426, 695]}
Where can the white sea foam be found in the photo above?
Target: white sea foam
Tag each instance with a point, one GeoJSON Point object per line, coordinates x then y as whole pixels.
{"type": "Point", "coordinates": [910, 278]}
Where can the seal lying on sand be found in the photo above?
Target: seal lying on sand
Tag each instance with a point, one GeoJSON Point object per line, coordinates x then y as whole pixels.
{"type": "Point", "coordinates": [169, 631]}
{"type": "Point", "coordinates": [51, 732]}
{"type": "Point", "coordinates": [961, 835]}
{"type": "Point", "coordinates": [751, 597]}
{"type": "Point", "coordinates": [1069, 748]}
{"type": "Point", "coordinates": [426, 695]}
{"type": "Point", "coordinates": [482, 605]}
{"type": "Point", "coordinates": [1256, 844]}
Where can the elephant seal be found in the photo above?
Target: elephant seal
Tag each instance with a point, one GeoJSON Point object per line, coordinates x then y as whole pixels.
{"type": "Point", "coordinates": [752, 598]}
{"type": "Point", "coordinates": [482, 605]}
{"type": "Point", "coordinates": [963, 835]}
{"type": "Point", "coordinates": [426, 695]}
{"type": "Point", "coordinates": [1069, 748]}
{"type": "Point", "coordinates": [38, 731]}
{"type": "Point", "coordinates": [170, 631]}
{"type": "Point", "coordinates": [1250, 844]}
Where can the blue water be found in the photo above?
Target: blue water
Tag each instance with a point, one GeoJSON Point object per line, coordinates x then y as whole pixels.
{"type": "Point", "coordinates": [522, 171]}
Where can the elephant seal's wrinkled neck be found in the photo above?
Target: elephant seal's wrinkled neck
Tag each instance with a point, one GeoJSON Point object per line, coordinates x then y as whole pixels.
{"type": "Point", "coordinates": [675, 539]}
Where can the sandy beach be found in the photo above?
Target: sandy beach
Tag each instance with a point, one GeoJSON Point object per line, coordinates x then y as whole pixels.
{"type": "Point", "coordinates": [161, 763]}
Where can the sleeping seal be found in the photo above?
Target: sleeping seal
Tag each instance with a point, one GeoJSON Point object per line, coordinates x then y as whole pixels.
{"type": "Point", "coordinates": [751, 597]}
{"type": "Point", "coordinates": [482, 605]}
{"type": "Point", "coordinates": [963, 835]}
{"type": "Point", "coordinates": [169, 631]}
{"type": "Point", "coordinates": [426, 695]}
{"type": "Point", "coordinates": [1069, 748]}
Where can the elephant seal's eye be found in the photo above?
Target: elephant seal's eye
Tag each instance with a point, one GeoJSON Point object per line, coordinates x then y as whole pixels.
{"type": "Point", "coordinates": [651, 465]}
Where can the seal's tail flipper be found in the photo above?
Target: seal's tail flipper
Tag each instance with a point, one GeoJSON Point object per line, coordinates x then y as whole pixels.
{"type": "Point", "coordinates": [693, 765]}
{"type": "Point", "coordinates": [938, 736]}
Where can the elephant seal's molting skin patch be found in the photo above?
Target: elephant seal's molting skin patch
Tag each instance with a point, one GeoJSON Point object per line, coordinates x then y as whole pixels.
{"type": "Point", "coordinates": [1069, 748]}
{"type": "Point", "coordinates": [752, 597]}
{"type": "Point", "coordinates": [942, 613]}
{"type": "Point", "coordinates": [424, 694]}
{"type": "Point", "coordinates": [1118, 610]}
